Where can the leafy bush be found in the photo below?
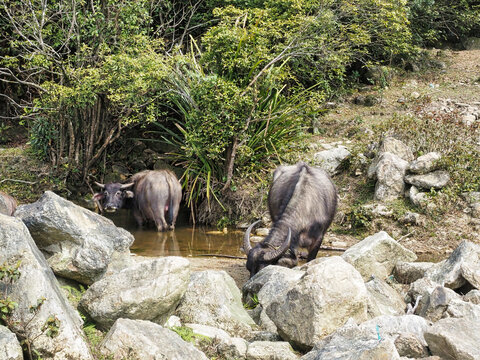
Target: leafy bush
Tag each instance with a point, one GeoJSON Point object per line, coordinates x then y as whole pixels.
{"type": "Point", "coordinates": [434, 21]}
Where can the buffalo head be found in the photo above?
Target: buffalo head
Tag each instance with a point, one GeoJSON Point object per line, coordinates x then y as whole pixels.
{"type": "Point", "coordinates": [264, 253]}
{"type": "Point", "coordinates": [114, 195]}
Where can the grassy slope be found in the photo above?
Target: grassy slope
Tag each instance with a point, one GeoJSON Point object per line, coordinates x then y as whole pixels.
{"type": "Point", "coordinates": [442, 229]}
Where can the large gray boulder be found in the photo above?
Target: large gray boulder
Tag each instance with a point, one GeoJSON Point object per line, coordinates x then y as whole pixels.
{"type": "Point", "coordinates": [456, 339]}
{"type": "Point", "coordinates": [330, 160]}
{"type": "Point", "coordinates": [387, 326]}
{"type": "Point", "coordinates": [140, 339]}
{"type": "Point", "coordinates": [149, 290]}
{"type": "Point", "coordinates": [10, 348]}
{"type": "Point", "coordinates": [267, 350]}
{"type": "Point", "coordinates": [266, 286]}
{"type": "Point", "coordinates": [78, 243]}
{"type": "Point", "coordinates": [212, 298]}
{"type": "Point", "coordinates": [353, 342]}
{"type": "Point", "coordinates": [390, 171]}
{"type": "Point", "coordinates": [463, 261]}
{"type": "Point", "coordinates": [390, 145]}
{"type": "Point", "coordinates": [383, 299]}
{"type": "Point", "coordinates": [473, 296]}
{"type": "Point", "coordinates": [408, 272]}
{"type": "Point", "coordinates": [227, 346]}
{"type": "Point", "coordinates": [444, 302]}
{"type": "Point", "coordinates": [329, 293]}
{"type": "Point", "coordinates": [434, 180]}
{"type": "Point", "coordinates": [425, 163]}
{"type": "Point", "coordinates": [37, 281]}
{"type": "Point", "coordinates": [377, 255]}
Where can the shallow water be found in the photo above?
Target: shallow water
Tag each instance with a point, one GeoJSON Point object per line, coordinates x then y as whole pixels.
{"type": "Point", "coordinates": [185, 240]}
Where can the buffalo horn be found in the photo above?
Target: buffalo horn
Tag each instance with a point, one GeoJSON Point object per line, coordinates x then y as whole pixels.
{"type": "Point", "coordinates": [125, 186]}
{"type": "Point", "coordinates": [275, 254]}
{"type": "Point", "coordinates": [246, 240]}
{"type": "Point", "coordinates": [100, 185]}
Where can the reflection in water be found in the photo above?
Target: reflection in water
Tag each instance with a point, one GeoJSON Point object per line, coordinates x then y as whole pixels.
{"type": "Point", "coordinates": [183, 241]}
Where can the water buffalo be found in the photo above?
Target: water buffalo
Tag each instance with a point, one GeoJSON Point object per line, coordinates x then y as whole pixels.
{"type": "Point", "coordinates": [8, 204]}
{"type": "Point", "coordinates": [302, 202]}
{"type": "Point", "coordinates": [152, 194]}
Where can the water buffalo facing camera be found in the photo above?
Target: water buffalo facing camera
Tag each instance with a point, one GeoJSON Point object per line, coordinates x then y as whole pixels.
{"type": "Point", "coordinates": [8, 204]}
{"type": "Point", "coordinates": [154, 195]}
{"type": "Point", "coordinates": [302, 202]}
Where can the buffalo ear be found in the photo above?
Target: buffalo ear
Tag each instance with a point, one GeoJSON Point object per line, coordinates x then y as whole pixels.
{"type": "Point", "coordinates": [98, 196]}
{"type": "Point", "coordinates": [129, 194]}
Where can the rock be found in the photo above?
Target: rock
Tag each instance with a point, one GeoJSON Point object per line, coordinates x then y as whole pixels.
{"type": "Point", "coordinates": [473, 296]}
{"type": "Point", "coordinates": [352, 342]}
{"type": "Point", "coordinates": [455, 338]}
{"type": "Point", "coordinates": [471, 197]}
{"type": "Point", "coordinates": [262, 232]}
{"type": "Point", "coordinates": [436, 180]}
{"type": "Point", "coordinates": [173, 321]}
{"type": "Point", "coordinates": [396, 147]}
{"type": "Point", "coordinates": [383, 300]}
{"type": "Point", "coordinates": [330, 160]}
{"type": "Point", "coordinates": [266, 350]}
{"type": "Point", "coordinates": [377, 255]}
{"type": "Point", "coordinates": [329, 292]}
{"type": "Point", "coordinates": [417, 198]}
{"type": "Point", "coordinates": [419, 293]}
{"type": "Point", "coordinates": [472, 43]}
{"type": "Point", "coordinates": [77, 243]}
{"type": "Point", "coordinates": [226, 345]}
{"type": "Point", "coordinates": [140, 339]}
{"type": "Point", "coordinates": [450, 272]}
{"type": "Point", "coordinates": [7, 204]}
{"type": "Point", "coordinates": [268, 284]}
{"type": "Point", "coordinates": [408, 272]}
{"type": "Point", "coordinates": [409, 345]}
{"type": "Point", "coordinates": [437, 303]}
{"type": "Point", "coordinates": [265, 336]}
{"type": "Point", "coordinates": [425, 163]}
{"type": "Point", "coordinates": [469, 119]}
{"type": "Point", "coordinates": [390, 172]}
{"type": "Point", "coordinates": [37, 281]}
{"type": "Point", "coordinates": [212, 298]}
{"type": "Point", "coordinates": [470, 269]}
{"type": "Point", "coordinates": [392, 327]}
{"type": "Point", "coordinates": [149, 290]}
{"type": "Point", "coordinates": [411, 218]}
{"type": "Point", "coordinates": [10, 348]}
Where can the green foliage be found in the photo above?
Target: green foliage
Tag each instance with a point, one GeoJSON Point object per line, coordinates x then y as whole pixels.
{"type": "Point", "coordinates": [252, 302]}
{"type": "Point", "coordinates": [359, 217]}
{"type": "Point", "coordinates": [188, 335]}
{"type": "Point", "coordinates": [434, 21]}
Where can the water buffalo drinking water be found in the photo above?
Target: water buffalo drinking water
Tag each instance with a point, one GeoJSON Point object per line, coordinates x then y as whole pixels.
{"type": "Point", "coordinates": [302, 202]}
{"type": "Point", "coordinates": [154, 195]}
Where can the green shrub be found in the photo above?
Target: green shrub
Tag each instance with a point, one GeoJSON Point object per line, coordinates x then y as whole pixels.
{"type": "Point", "coordinates": [434, 21]}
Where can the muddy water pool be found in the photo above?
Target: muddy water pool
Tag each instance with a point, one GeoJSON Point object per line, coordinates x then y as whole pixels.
{"type": "Point", "coordinates": [185, 240]}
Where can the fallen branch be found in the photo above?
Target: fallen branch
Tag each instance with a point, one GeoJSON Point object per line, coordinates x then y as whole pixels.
{"type": "Point", "coordinates": [20, 181]}
{"type": "Point", "coordinates": [331, 248]}
{"type": "Point", "coordinates": [222, 256]}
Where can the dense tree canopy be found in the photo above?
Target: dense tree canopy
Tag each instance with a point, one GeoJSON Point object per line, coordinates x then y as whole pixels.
{"type": "Point", "coordinates": [224, 83]}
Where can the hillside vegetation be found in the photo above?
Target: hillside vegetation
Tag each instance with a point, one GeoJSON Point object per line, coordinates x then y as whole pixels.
{"type": "Point", "coordinates": [220, 91]}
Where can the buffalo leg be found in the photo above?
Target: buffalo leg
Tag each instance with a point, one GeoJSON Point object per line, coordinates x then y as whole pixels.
{"type": "Point", "coordinates": [138, 217]}
{"type": "Point", "coordinates": [316, 233]}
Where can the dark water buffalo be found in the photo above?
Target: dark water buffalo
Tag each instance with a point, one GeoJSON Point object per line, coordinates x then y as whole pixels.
{"type": "Point", "coordinates": [8, 204]}
{"type": "Point", "coordinates": [154, 195]}
{"type": "Point", "coordinates": [302, 202]}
